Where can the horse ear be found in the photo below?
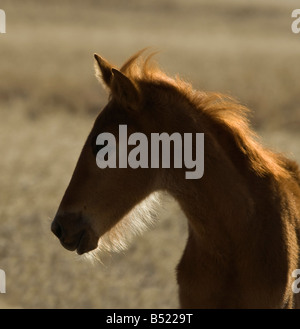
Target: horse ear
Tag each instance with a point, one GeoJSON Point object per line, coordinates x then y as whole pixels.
{"type": "Point", "coordinates": [103, 70]}
{"type": "Point", "coordinates": [124, 90]}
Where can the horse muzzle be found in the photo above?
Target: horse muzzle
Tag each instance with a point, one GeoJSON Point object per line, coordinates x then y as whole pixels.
{"type": "Point", "coordinates": [73, 233]}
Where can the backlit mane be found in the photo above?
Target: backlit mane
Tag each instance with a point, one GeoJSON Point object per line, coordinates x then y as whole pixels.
{"type": "Point", "coordinates": [224, 111]}
{"type": "Point", "coordinates": [232, 117]}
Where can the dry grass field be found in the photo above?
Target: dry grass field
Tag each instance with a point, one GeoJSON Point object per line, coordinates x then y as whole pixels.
{"type": "Point", "coordinates": [49, 99]}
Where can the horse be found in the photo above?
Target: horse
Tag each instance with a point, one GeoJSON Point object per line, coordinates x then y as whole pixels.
{"type": "Point", "coordinates": [243, 214]}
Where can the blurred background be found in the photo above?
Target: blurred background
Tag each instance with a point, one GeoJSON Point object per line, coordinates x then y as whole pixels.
{"type": "Point", "coordinates": [49, 99]}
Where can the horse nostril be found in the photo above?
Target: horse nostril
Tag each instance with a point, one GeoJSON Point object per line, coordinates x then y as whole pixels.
{"type": "Point", "coordinates": [56, 229]}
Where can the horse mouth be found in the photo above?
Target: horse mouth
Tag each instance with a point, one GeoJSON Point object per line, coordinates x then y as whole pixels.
{"type": "Point", "coordinates": [85, 244]}
{"type": "Point", "coordinates": [74, 244]}
{"type": "Point", "coordinates": [73, 234]}
{"type": "Point", "coordinates": [81, 243]}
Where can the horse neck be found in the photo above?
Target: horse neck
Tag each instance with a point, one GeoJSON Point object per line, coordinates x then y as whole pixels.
{"type": "Point", "coordinates": [218, 204]}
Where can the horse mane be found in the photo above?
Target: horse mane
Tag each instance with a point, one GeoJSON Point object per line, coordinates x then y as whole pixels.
{"type": "Point", "coordinates": [222, 110]}
{"type": "Point", "coordinates": [233, 118]}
